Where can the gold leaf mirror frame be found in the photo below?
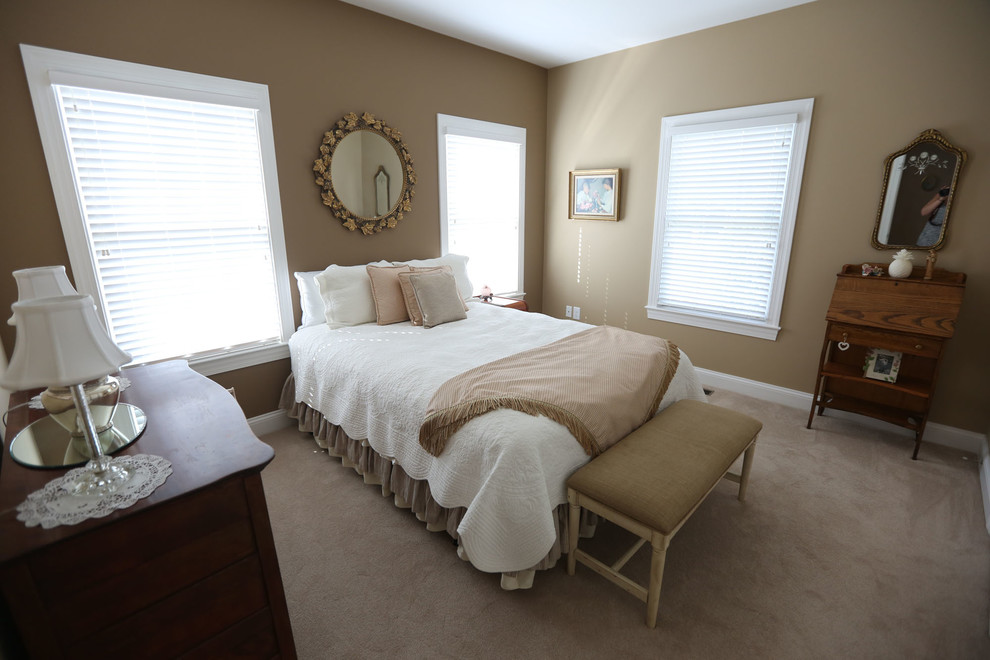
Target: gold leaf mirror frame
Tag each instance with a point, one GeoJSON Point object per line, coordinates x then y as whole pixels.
{"type": "Point", "coordinates": [368, 224]}
{"type": "Point", "coordinates": [914, 178]}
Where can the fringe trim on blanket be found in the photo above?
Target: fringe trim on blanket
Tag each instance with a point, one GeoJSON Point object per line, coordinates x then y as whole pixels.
{"type": "Point", "coordinates": [673, 361]}
{"type": "Point", "coordinates": [440, 426]}
{"type": "Point", "coordinates": [407, 492]}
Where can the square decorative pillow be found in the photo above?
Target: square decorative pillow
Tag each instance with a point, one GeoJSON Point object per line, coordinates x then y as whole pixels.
{"type": "Point", "coordinates": [346, 293]}
{"type": "Point", "coordinates": [409, 296]}
{"type": "Point", "coordinates": [390, 306]}
{"type": "Point", "coordinates": [446, 269]}
{"type": "Point", "coordinates": [457, 264]}
{"type": "Point", "coordinates": [438, 298]}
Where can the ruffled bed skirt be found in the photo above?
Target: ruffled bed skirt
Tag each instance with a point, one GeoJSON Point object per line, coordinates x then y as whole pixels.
{"type": "Point", "coordinates": [410, 493]}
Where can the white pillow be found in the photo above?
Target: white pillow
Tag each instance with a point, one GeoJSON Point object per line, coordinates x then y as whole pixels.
{"type": "Point", "coordinates": [458, 266]}
{"type": "Point", "coordinates": [346, 294]}
{"type": "Point", "coordinates": [310, 300]}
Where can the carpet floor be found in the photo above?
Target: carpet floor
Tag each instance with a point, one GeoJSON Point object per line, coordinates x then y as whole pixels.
{"type": "Point", "coordinates": [844, 548]}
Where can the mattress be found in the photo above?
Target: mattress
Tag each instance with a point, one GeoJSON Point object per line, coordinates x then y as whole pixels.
{"type": "Point", "coordinates": [506, 468]}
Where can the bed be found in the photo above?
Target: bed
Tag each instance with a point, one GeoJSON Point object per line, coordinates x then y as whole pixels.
{"type": "Point", "coordinates": [498, 487]}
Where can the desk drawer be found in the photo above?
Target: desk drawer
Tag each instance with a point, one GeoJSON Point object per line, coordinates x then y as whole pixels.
{"type": "Point", "coordinates": [911, 344]}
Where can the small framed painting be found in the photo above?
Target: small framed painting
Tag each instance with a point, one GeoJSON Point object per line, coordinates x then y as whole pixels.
{"type": "Point", "coordinates": [594, 195]}
{"type": "Point", "coordinates": [882, 364]}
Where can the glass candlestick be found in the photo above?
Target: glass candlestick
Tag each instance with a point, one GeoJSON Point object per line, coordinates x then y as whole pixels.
{"type": "Point", "coordinates": [103, 475]}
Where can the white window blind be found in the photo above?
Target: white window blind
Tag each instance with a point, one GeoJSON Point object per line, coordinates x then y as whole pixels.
{"type": "Point", "coordinates": [172, 197]}
{"type": "Point", "coordinates": [727, 193]}
{"type": "Point", "coordinates": [482, 198]}
{"type": "Point", "coordinates": [725, 197]}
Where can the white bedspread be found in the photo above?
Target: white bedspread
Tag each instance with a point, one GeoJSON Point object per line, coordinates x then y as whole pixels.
{"type": "Point", "coordinates": [507, 468]}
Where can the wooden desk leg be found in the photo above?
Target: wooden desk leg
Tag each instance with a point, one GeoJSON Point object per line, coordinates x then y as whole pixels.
{"type": "Point", "coordinates": [573, 527]}
{"type": "Point", "coordinates": [818, 381]}
{"type": "Point", "coordinates": [814, 401]}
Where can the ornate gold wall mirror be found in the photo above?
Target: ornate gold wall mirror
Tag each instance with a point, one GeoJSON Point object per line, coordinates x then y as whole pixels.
{"type": "Point", "coordinates": [354, 156]}
{"type": "Point", "coordinates": [919, 184]}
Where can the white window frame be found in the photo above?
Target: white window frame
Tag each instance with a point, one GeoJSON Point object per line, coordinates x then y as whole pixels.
{"type": "Point", "coordinates": [452, 125]}
{"type": "Point", "coordinates": [46, 67]}
{"type": "Point", "coordinates": [800, 112]}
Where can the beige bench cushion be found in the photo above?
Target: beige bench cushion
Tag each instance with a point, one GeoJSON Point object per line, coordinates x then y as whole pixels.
{"type": "Point", "coordinates": [659, 472]}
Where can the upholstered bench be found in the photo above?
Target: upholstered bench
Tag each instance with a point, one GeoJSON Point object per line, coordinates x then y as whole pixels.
{"type": "Point", "coordinates": [651, 481]}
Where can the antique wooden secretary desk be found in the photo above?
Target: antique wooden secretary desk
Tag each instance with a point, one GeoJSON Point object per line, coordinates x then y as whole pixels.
{"type": "Point", "coordinates": [912, 316]}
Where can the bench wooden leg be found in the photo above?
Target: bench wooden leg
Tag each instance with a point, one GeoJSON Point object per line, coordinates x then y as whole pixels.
{"type": "Point", "coordinates": [573, 527]}
{"type": "Point", "coordinates": [659, 543]}
{"type": "Point", "coordinates": [744, 477]}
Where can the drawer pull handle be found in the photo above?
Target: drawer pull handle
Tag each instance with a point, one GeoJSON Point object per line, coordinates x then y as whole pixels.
{"type": "Point", "coordinates": [918, 347]}
{"type": "Point", "coordinates": [844, 345]}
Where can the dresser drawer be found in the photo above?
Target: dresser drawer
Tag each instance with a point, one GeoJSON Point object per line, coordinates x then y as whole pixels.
{"type": "Point", "coordinates": [142, 561]}
{"type": "Point", "coordinates": [922, 345]}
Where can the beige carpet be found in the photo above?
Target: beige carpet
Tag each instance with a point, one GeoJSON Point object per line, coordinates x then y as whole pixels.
{"type": "Point", "coordinates": [845, 548]}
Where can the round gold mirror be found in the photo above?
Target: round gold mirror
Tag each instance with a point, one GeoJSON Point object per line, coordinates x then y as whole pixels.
{"type": "Point", "coordinates": [365, 173]}
{"type": "Point", "coordinates": [919, 184]}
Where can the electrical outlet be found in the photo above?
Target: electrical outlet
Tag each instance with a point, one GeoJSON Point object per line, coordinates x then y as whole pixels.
{"type": "Point", "coordinates": [577, 314]}
{"type": "Point", "coordinates": [567, 311]}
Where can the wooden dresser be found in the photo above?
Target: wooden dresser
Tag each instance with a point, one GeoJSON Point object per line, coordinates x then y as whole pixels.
{"type": "Point", "coordinates": [189, 571]}
{"type": "Point", "coordinates": [912, 316]}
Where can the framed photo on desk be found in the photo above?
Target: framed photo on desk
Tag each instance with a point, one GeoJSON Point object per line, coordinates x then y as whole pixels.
{"type": "Point", "coordinates": [882, 364]}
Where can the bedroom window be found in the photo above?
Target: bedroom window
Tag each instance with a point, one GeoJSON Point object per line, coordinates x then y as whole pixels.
{"type": "Point", "coordinates": [166, 188]}
{"type": "Point", "coordinates": [727, 196]}
{"type": "Point", "coordinates": [483, 199]}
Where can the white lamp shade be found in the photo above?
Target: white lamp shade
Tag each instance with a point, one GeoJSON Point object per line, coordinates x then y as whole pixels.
{"type": "Point", "coordinates": [41, 282]}
{"type": "Point", "coordinates": [60, 341]}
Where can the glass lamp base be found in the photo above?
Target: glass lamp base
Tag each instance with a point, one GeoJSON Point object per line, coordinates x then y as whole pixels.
{"type": "Point", "coordinates": [103, 476]}
{"type": "Point", "coordinates": [102, 395]}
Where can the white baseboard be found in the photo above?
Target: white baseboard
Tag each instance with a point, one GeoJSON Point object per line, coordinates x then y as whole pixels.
{"type": "Point", "coordinates": [276, 420]}
{"type": "Point", "coordinates": [947, 436]}
{"type": "Point", "coordinates": [940, 434]}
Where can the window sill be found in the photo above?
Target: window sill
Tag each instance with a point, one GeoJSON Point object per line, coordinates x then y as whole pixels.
{"type": "Point", "coordinates": [750, 329]}
{"type": "Point", "coordinates": [515, 295]}
{"type": "Point", "coordinates": [239, 359]}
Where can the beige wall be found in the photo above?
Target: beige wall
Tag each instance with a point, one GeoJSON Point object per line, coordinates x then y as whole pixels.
{"type": "Point", "coordinates": [880, 72]}
{"type": "Point", "coordinates": [320, 60]}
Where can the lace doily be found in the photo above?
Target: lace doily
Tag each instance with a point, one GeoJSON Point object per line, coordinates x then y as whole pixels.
{"type": "Point", "coordinates": [53, 505]}
{"type": "Point", "coordinates": [35, 402]}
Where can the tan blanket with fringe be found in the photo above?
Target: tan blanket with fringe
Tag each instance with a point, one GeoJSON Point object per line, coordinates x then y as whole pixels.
{"type": "Point", "coordinates": [601, 383]}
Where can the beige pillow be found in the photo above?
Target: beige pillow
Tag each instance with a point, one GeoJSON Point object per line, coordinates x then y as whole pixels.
{"type": "Point", "coordinates": [412, 307]}
{"type": "Point", "coordinates": [409, 296]}
{"type": "Point", "coordinates": [438, 298]}
{"type": "Point", "coordinates": [390, 306]}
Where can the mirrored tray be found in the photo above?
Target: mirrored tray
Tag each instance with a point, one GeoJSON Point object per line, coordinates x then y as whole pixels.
{"type": "Point", "coordinates": [45, 444]}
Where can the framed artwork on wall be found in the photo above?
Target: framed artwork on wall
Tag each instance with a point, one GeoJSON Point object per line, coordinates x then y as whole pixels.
{"type": "Point", "coordinates": [593, 195]}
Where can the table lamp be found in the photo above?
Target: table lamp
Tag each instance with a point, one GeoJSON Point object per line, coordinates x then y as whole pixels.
{"type": "Point", "coordinates": [41, 282]}
{"type": "Point", "coordinates": [61, 344]}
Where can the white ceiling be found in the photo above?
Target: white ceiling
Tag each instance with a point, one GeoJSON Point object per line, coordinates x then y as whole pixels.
{"type": "Point", "coordinates": [554, 32]}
